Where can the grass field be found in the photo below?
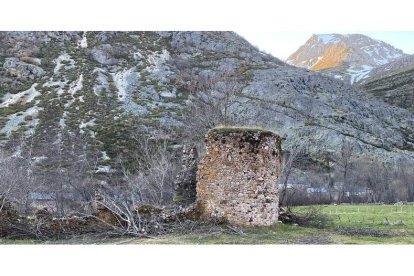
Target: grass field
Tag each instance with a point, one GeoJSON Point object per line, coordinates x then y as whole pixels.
{"type": "Point", "coordinates": [399, 217]}
{"type": "Point", "coordinates": [347, 224]}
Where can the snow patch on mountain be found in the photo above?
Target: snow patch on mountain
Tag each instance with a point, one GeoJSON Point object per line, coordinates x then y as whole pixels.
{"type": "Point", "coordinates": [157, 61]}
{"type": "Point", "coordinates": [104, 169]}
{"type": "Point", "coordinates": [137, 56]}
{"type": "Point", "coordinates": [64, 60]}
{"type": "Point", "coordinates": [83, 43]}
{"type": "Point", "coordinates": [105, 156]}
{"type": "Point", "coordinates": [22, 97]}
{"type": "Point", "coordinates": [14, 120]}
{"type": "Point", "coordinates": [158, 68]}
{"type": "Point", "coordinates": [380, 55]}
{"type": "Point", "coordinates": [121, 82]}
{"type": "Point", "coordinates": [317, 61]}
{"type": "Point", "coordinates": [328, 38]}
{"type": "Point", "coordinates": [168, 94]}
{"type": "Point", "coordinates": [89, 123]}
{"type": "Point", "coordinates": [69, 103]}
{"type": "Point", "coordinates": [403, 63]}
{"type": "Point", "coordinates": [59, 85]}
{"type": "Point", "coordinates": [359, 73]}
{"type": "Point", "coordinates": [126, 82]}
{"type": "Point", "coordinates": [76, 85]}
{"type": "Point", "coordinates": [62, 121]}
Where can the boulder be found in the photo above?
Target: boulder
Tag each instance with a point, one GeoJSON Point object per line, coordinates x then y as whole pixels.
{"type": "Point", "coordinates": [22, 70]}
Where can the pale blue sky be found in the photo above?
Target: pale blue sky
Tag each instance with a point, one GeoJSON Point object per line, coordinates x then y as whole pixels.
{"type": "Point", "coordinates": [282, 44]}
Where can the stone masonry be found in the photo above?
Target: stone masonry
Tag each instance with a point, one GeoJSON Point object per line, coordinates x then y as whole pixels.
{"type": "Point", "coordinates": [237, 180]}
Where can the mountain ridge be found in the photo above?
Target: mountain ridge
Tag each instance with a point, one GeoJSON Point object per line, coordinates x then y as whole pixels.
{"type": "Point", "coordinates": [349, 57]}
{"type": "Point", "coordinates": [103, 85]}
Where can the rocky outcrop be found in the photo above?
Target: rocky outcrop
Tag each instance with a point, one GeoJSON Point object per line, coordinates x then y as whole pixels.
{"type": "Point", "coordinates": [237, 180]}
{"type": "Point", "coordinates": [104, 55]}
{"type": "Point", "coordinates": [395, 88]}
{"type": "Point", "coordinates": [22, 70]}
{"type": "Point", "coordinates": [399, 65]}
{"type": "Point", "coordinates": [144, 87]}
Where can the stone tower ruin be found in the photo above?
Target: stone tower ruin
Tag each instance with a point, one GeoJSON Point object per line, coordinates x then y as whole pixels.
{"type": "Point", "coordinates": [237, 180]}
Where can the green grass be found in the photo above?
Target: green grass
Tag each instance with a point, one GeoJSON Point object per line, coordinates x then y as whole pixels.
{"type": "Point", "coordinates": [372, 216]}
{"type": "Point", "coordinates": [348, 224]}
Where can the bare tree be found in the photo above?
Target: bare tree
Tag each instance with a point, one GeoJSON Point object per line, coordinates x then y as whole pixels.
{"type": "Point", "coordinates": [152, 178]}
{"type": "Point", "coordinates": [61, 173]}
{"type": "Point", "coordinates": [374, 176]}
{"type": "Point", "coordinates": [150, 183]}
{"type": "Point", "coordinates": [8, 180]}
{"type": "Point", "coordinates": [16, 182]}
{"type": "Point", "coordinates": [403, 182]}
{"type": "Point", "coordinates": [343, 162]}
{"type": "Point", "coordinates": [212, 97]}
{"type": "Point", "coordinates": [329, 165]}
{"type": "Point", "coordinates": [19, 164]}
{"type": "Point", "coordinates": [288, 160]}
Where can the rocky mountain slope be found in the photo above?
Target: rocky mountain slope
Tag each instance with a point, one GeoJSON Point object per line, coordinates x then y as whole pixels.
{"type": "Point", "coordinates": [394, 83]}
{"type": "Point", "coordinates": [101, 85]}
{"type": "Point", "coordinates": [347, 57]}
{"type": "Point", "coordinates": [400, 64]}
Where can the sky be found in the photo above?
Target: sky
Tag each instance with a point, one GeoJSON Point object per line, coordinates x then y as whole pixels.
{"type": "Point", "coordinates": [282, 44]}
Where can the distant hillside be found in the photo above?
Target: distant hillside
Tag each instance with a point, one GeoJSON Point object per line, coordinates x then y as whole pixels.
{"type": "Point", "coordinates": [400, 64]}
{"type": "Point", "coordinates": [347, 57]}
{"type": "Point", "coordinates": [394, 83]}
{"type": "Point", "coordinates": [104, 85]}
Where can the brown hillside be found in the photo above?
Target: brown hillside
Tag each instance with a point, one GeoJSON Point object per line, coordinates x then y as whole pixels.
{"type": "Point", "coordinates": [332, 57]}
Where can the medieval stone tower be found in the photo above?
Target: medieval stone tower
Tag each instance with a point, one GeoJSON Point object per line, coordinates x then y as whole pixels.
{"type": "Point", "coordinates": [237, 180]}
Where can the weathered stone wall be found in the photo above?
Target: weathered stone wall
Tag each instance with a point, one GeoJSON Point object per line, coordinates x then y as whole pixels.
{"type": "Point", "coordinates": [237, 180]}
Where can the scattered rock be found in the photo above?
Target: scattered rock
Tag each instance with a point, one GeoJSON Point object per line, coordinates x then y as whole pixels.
{"type": "Point", "coordinates": [104, 55]}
